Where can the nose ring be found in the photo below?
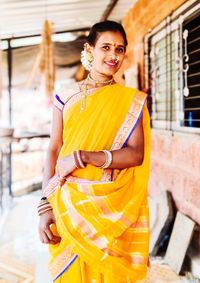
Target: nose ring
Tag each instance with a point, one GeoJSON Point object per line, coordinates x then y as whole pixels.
{"type": "Point", "coordinates": [115, 58]}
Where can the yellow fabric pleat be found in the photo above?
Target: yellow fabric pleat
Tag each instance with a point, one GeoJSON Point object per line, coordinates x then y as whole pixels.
{"type": "Point", "coordinates": [104, 223]}
{"type": "Point", "coordinates": [82, 273]}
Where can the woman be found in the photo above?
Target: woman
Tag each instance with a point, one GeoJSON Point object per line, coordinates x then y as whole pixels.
{"type": "Point", "coordinates": [94, 213]}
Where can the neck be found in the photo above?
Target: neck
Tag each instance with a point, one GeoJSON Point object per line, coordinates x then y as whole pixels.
{"type": "Point", "coordinates": [100, 80]}
{"type": "Point", "coordinates": [99, 77]}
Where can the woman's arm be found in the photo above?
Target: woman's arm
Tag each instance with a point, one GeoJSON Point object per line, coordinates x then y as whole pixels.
{"type": "Point", "coordinates": [55, 145]}
{"type": "Point", "coordinates": [129, 156]}
{"type": "Point", "coordinates": [47, 218]}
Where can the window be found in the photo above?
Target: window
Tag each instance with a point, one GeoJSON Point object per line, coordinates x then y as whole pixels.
{"type": "Point", "coordinates": [172, 70]}
{"type": "Point", "coordinates": [191, 57]}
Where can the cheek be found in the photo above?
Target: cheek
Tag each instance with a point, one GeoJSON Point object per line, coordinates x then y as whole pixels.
{"type": "Point", "coordinates": [121, 61]}
{"type": "Point", "coordinates": [98, 59]}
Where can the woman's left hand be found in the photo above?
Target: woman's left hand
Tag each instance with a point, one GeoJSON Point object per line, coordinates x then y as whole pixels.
{"type": "Point", "coordinates": [65, 165]}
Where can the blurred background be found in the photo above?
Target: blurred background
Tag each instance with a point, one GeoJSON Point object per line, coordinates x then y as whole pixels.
{"type": "Point", "coordinates": [40, 45]}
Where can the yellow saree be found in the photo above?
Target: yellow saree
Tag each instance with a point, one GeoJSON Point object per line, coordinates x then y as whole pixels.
{"type": "Point", "coordinates": [102, 215]}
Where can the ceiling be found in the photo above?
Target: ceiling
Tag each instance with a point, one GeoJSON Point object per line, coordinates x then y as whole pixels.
{"type": "Point", "coordinates": [26, 17]}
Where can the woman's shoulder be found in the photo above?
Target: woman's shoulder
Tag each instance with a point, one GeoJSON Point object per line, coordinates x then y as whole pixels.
{"type": "Point", "coordinates": [64, 91]}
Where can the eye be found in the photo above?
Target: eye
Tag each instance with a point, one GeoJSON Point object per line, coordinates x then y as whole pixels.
{"type": "Point", "coordinates": [105, 47]}
{"type": "Point", "coordinates": [120, 50]}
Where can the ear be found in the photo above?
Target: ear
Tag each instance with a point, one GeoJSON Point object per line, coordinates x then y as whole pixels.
{"type": "Point", "coordinates": [88, 47]}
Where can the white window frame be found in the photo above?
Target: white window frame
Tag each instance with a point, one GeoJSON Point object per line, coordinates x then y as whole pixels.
{"type": "Point", "coordinates": [168, 25]}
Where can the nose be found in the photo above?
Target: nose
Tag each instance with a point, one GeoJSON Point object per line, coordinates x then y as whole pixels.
{"type": "Point", "coordinates": [113, 53]}
{"type": "Point", "coordinates": [114, 57]}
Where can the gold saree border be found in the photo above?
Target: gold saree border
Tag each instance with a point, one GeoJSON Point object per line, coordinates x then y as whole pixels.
{"type": "Point", "coordinates": [123, 134]}
{"type": "Point", "coordinates": [74, 98]}
{"type": "Point", "coordinates": [127, 127]}
{"type": "Point", "coordinates": [60, 263]}
{"type": "Point", "coordinates": [133, 115]}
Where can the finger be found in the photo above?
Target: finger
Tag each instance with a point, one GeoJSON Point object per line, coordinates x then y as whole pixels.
{"type": "Point", "coordinates": [49, 234]}
{"type": "Point", "coordinates": [40, 235]}
{"type": "Point", "coordinates": [44, 238]}
{"type": "Point", "coordinates": [61, 181]}
{"type": "Point", "coordinates": [52, 238]}
{"type": "Point", "coordinates": [56, 239]}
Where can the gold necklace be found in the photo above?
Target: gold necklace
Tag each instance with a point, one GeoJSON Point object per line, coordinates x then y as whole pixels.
{"type": "Point", "coordinates": [85, 89]}
{"type": "Point", "coordinates": [99, 82]}
{"type": "Point", "coordinates": [83, 97]}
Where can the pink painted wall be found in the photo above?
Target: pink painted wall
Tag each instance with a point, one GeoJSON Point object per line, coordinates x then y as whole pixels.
{"type": "Point", "coordinates": [175, 159]}
{"type": "Point", "coordinates": [175, 166]}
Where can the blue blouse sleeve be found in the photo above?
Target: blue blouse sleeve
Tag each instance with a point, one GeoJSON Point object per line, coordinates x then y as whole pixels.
{"type": "Point", "coordinates": [58, 102]}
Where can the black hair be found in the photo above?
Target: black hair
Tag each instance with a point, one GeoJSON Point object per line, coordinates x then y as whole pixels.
{"type": "Point", "coordinates": [104, 26]}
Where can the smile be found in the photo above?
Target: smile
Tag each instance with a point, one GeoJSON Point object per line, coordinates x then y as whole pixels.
{"type": "Point", "coordinates": [111, 64]}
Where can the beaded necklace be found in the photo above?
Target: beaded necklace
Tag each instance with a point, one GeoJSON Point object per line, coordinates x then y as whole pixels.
{"type": "Point", "coordinates": [99, 82]}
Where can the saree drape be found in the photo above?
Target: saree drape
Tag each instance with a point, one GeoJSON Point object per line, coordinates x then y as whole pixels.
{"type": "Point", "coordinates": [102, 215]}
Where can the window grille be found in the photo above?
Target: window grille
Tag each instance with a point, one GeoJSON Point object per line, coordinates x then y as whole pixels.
{"type": "Point", "coordinates": [191, 62]}
{"type": "Point", "coordinates": [162, 72]}
{"type": "Point", "coordinates": [172, 71]}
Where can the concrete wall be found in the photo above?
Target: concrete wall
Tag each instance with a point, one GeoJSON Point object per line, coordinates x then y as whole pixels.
{"type": "Point", "coordinates": [175, 162]}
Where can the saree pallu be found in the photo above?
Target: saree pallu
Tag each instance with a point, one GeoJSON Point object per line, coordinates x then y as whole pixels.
{"type": "Point", "coordinates": [102, 215]}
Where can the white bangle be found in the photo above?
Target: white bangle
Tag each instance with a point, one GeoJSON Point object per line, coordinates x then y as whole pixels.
{"type": "Point", "coordinates": [109, 159]}
{"type": "Point", "coordinates": [80, 161]}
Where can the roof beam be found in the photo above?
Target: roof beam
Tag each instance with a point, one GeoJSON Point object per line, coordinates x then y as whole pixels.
{"type": "Point", "coordinates": [108, 10]}
{"type": "Point", "coordinates": [58, 32]}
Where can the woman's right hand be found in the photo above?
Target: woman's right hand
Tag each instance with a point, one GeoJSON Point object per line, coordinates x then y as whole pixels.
{"type": "Point", "coordinates": [45, 233]}
{"type": "Point", "coordinates": [65, 165]}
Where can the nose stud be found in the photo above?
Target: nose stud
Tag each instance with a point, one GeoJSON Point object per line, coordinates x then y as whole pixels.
{"type": "Point", "coordinates": [115, 58]}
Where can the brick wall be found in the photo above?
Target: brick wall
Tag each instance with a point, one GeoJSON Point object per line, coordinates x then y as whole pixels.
{"type": "Point", "coordinates": [175, 166]}
{"type": "Point", "coordinates": [175, 159]}
{"type": "Point", "coordinates": [144, 16]}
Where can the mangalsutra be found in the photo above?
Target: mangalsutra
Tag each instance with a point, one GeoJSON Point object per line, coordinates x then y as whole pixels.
{"type": "Point", "coordinates": [85, 89]}
{"type": "Point", "coordinates": [83, 97]}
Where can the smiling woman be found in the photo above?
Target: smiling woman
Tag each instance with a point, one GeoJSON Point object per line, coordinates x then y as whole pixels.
{"type": "Point", "coordinates": [107, 48]}
{"type": "Point", "coordinates": [94, 211]}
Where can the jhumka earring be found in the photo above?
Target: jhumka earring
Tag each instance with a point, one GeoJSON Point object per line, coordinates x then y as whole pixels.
{"type": "Point", "coordinates": [86, 60]}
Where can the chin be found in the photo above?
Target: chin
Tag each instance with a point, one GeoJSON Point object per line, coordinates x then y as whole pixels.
{"type": "Point", "coordinates": [110, 72]}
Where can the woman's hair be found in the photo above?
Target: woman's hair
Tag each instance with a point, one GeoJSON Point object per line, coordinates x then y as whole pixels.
{"type": "Point", "coordinates": [104, 26]}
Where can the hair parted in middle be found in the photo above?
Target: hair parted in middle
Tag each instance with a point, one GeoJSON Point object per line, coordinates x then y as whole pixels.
{"type": "Point", "coordinates": [104, 26]}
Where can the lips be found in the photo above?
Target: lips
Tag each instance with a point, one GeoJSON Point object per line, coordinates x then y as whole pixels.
{"type": "Point", "coordinates": [111, 64]}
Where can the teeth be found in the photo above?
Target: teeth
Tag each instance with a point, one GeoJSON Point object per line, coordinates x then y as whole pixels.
{"type": "Point", "coordinates": [111, 63]}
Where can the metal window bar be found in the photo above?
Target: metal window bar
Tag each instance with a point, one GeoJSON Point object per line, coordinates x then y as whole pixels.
{"type": "Point", "coordinates": [191, 102]}
{"type": "Point", "coordinates": [173, 74]}
{"type": "Point", "coordinates": [162, 75]}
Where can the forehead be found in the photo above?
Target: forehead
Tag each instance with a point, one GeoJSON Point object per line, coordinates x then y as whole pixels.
{"type": "Point", "coordinates": [111, 37]}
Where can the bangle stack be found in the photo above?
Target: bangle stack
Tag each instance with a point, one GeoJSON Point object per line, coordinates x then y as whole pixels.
{"type": "Point", "coordinates": [43, 206]}
{"type": "Point", "coordinates": [78, 160]}
{"type": "Point", "coordinates": [109, 158]}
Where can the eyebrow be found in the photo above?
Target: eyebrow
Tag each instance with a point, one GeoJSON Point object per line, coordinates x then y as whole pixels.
{"type": "Point", "coordinates": [120, 45]}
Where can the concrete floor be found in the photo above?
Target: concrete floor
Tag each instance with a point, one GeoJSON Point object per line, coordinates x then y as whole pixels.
{"type": "Point", "coordinates": [23, 259]}
{"type": "Point", "coordinates": [21, 253]}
